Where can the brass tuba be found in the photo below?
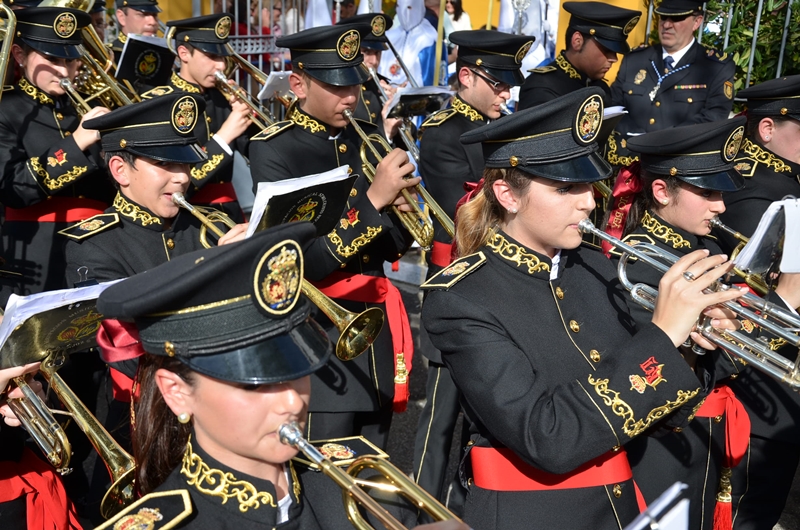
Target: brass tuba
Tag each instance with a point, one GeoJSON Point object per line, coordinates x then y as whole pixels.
{"type": "Point", "coordinates": [357, 331]}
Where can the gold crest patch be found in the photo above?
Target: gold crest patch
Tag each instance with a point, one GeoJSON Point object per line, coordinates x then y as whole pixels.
{"type": "Point", "coordinates": [630, 25]}
{"type": "Point", "coordinates": [305, 212]}
{"type": "Point", "coordinates": [641, 75]}
{"type": "Point", "coordinates": [349, 45]}
{"type": "Point", "coordinates": [378, 26]}
{"type": "Point", "coordinates": [147, 63]}
{"type": "Point", "coordinates": [337, 451]}
{"type": "Point", "coordinates": [184, 114]}
{"type": "Point", "coordinates": [728, 89]}
{"type": "Point", "coordinates": [65, 25]}
{"type": "Point", "coordinates": [277, 278]}
{"type": "Point", "coordinates": [92, 224]}
{"type": "Point", "coordinates": [523, 51]}
{"type": "Point", "coordinates": [145, 519]}
{"type": "Point", "coordinates": [223, 28]}
{"type": "Point", "coordinates": [732, 144]}
{"type": "Point", "coordinates": [589, 119]}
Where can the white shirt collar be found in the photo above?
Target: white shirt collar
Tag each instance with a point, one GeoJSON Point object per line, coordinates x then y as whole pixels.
{"type": "Point", "coordinates": [678, 55]}
{"type": "Point", "coordinates": [555, 263]}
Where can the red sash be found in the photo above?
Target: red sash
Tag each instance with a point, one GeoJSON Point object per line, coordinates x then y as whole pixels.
{"type": "Point", "coordinates": [119, 341]}
{"type": "Point", "coordinates": [215, 193]}
{"type": "Point", "coordinates": [441, 254]}
{"type": "Point", "coordinates": [48, 507]}
{"type": "Point", "coordinates": [374, 289]}
{"type": "Point", "coordinates": [57, 210]}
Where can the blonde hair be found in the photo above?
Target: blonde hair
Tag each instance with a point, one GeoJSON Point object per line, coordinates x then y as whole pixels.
{"type": "Point", "coordinates": [483, 215]}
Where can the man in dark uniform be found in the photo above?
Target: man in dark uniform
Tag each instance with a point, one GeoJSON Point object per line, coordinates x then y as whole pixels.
{"type": "Point", "coordinates": [596, 33]}
{"type": "Point", "coordinates": [769, 159]}
{"type": "Point", "coordinates": [202, 47]}
{"type": "Point", "coordinates": [678, 82]}
{"type": "Point", "coordinates": [487, 67]}
{"type": "Point", "coordinates": [354, 397]}
{"type": "Point", "coordinates": [138, 17]}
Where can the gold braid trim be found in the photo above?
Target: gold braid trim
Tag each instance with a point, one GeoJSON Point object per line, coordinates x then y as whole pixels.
{"type": "Point", "coordinates": [463, 108]}
{"type": "Point", "coordinates": [695, 409]}
{"type": "Point", "coordinates": [516, 254]}
{"type": "Point", "coordinates": [295, 483]}
{"type": "Point", "coordinates": [777, 343]}
{"type": "Point", "coordinates": [134, 212]}
{"type": "Point", "coordinates": [183, 85]}
{"type": "Point", "coordinates": [306, 122]}
{"type": "Point", "coordinates": [759, 154]}
{"type": "Point", "coordinates": [562, 63]}
{"type": "Point", "coordinates": [351, 250]}
{"type": "Point", "coordinates": [633, 427]}
{"type": "Point", "coordinates": [60, 181]}
{"type": "Point", "coordinates": [615, 159]}
{"type": "Point", "coordinates": [122, 38]}
{"type": "Point", "coordinates": [664, 233]}
{"type": "Point", "coordinates": [222, 484]}
{"type": "Point", "coordinates": [209, 166]}
{"type": "Point", "coordinates": [34, 92]}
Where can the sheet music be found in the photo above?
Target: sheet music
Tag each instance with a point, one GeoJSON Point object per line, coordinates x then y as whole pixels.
{"type": "Point", "coordinates": [790, 262]}
{"type": "Point", "coordinates": [152, 40]}
{"type": "Point", "coordinates": [781, 218]}
{"type": "Point", "coordinates": [276, 82]}
{"type": "Point", "coordinates": [419, 91]}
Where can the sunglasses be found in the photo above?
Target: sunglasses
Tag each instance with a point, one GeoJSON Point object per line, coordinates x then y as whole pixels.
{"type": "Point", "coordinates": [497, 86]}
{"type": "Point", "coordinates": [674, 19]}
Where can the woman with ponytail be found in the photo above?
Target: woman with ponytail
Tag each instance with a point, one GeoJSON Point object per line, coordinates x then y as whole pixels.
{"type": "Point", "coordinates": [555, 376]}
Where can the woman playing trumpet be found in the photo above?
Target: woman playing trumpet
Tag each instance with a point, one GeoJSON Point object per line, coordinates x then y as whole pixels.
{"type": "Point", "coordinates": [556, 377]}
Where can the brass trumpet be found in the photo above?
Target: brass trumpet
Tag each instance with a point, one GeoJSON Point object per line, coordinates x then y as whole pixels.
{"type": "Point", "coordinates": [353, 492]}
{"type": "Point", "coordinates": [231, 88]}
{"type": "Point", "coordinates": [80, 104]}
{"type": "Point", "coordinates": [405, 131]}
{"type": "Point", "coordinates": [764, 314]}
{"type": "Point", "coordinates": [416, 222]}
{"type": "Point", "coordinates": [754, 281]}
{"type": "Point", "coordinates": [357, 331]}
{"type": "Point", "coordinates": [8, 29]}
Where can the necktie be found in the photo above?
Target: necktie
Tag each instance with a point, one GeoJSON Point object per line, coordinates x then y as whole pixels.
{"type": "Point", "coordinates": [669, 63]}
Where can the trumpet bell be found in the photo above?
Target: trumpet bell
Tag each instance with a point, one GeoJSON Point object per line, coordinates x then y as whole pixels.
{"type": "Point", "coordinates": [121, 493]}
{"type": "Point", "coordinates": [359, 334]}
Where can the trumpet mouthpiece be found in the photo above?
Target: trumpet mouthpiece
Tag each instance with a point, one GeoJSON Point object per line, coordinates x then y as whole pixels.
{"type": "Point", "coordinates": [178, 198]}
{"type": "Point", "coordinates": [347, 113]}
{"type": "Point", "coordinates": [586, 226]}
{"type": "Point", "coordinates": [289, 433]}
{"type": "Point", "coordinates": [714, 223]}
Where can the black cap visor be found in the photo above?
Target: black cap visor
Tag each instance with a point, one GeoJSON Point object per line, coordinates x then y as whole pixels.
{"type": "Point", "coordinates": [212, 48]}
{"type": "Point", "coordinates": [614, 45]}
{"type": "Point", "coordinates": [510, 77]}
{"type": "Point", "coordinates": [725, 181]}
{"type": "Point", "coordinates": [61, 51]}
{"type": "Point", "coordinates": [347, 76]}
{"type": "Point", "coordinates": [178, 154]}
{"type": "Point", "coordinates": [589, 168]}
{"type": "Point", "coordinates": [146, 8]}
{"type": "Point", "coordinates": [286, 357]}
{"type": "Point", "coordinates": [374, 45]}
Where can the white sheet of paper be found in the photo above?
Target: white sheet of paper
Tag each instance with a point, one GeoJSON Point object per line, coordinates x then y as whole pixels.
{"type": "Point", "coordinates": [423, 90]}
{"type": "Point", "coordinates": [790, 262]}
{"type": "Point", "coordinates": [276, 82]}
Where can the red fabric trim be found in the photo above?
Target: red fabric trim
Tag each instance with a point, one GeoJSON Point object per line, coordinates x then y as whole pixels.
{"type": "Point", "coordinates": [639, 497]}
{"type": "Point", "coordinates": [215, 193]}
{"type": "Point", "coordinates": [57, 210]}
{"type": "Point", "coordinates": [119, 341]}
{"type": "Point", "coordinates": [441, 254]}
{"type": "Point", "coordinates": [48, 507]}
{"type": "Point", "coordinates": [472, 189]}
{"type": "Point", "coordinates": [627, 185]}
{"type": "Point", "coordinates": [374, 289]}
{"type": "Point", "coordinates": [502, 470]}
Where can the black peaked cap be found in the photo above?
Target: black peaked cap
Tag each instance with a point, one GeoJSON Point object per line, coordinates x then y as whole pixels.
{"type": "Point", "coordinates": [500, 54]}
{"type": "Point", "coordinates": [776, 97]}
{"type": "Point", "coordinates": [233, 312]}
{"type": "Point", "coordinates": [145, 6]}
{"type": "Point", "coordinates": [208, 33]}
{"type": "Point", "coordinates": [700, 154]}
{"type": "Point", "coordinates": [53, 31]}
{"type": "Point", "coordinates": [380, 24]}
{"type": "Point", "coordinates": [608, 24]}
{"type": "Point", "coordinates": [676, 8]}
{"type": "Point", "coordinates": [556, 140]}
{"type": "Point", "coordinates": [159, 128]}
{"type": "Point", "coordinates": [331, 54]}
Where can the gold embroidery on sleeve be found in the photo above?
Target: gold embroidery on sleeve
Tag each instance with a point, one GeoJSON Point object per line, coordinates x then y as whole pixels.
{"type": "Point", "coordinates": [59, 182]}
{"type": "Point", "coordinates": [209, 166]}
{"type": "Point", "coordinates": [352, 249]}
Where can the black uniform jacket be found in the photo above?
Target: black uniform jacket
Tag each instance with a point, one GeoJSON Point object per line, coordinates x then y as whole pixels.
{"type": "Point", "coordinates": [204, 494]}
{"type": "Point", "coordinates": [554, 370]}
{"type": "Point", "coordinates": [369, 104]}
{"type": "Point", "coordinates": [701, 92]}
{"type": "Point", "coordinates": [678, 450]}
{"type": "Point", "coordinates": [363, 241]}
{"type": "Point", "coordinates": [554, 80]}
{"type": "Point", "coordinates": [768, 178]}
{"type": "Point", "coordinates": [41, 167]}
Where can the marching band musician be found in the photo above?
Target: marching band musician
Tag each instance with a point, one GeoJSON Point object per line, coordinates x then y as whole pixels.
{"type": "Point", "coordinates": [769, 159]}
{"type": "Point", "coordinates": [202, 47]}
{"type": "Point", "coordinates": [356, 397]}
{"type": "Point", "coordinates": [668, 202]}
{"type": "Point", "coordinates": [227, 346]}
{"type": "Point", "coordinates": [488, 66]}
{"type": "Point", "coordinates": [138, 17]}
{"type": "Point", "coordinates": [537, 335]}
{"type": "Point", "coordinates": [52, 174]}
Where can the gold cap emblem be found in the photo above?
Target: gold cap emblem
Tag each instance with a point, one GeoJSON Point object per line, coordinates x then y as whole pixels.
{"type": "Point", "coordinates": [184, 114]}
{"type": "Point", "coordinates": [277, 278]}
{"type": "Point", "coordinates": [65, 25]}
{"type": "Point", "coordinates": [147, 63]}
{"type": "Point", "coordinates": [378, 26]}
{"type": "Point", "coordinates": [589, 119]}
{"type": "Point", "coordinates": [732, 144]}
{"type": "Point", "coordinates": [523, 51]}
{"type": "Point", "coordinates": [223, 28]}
{"type": "Point", "coordinates": [630, 25]}
{"type": "Point", "coordinates": [349, 45]}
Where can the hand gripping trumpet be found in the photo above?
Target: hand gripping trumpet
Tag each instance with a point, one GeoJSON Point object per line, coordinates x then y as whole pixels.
{"type": "Point", "coordinates": [353, 492]}
{"type": "Point", "coordinates": [357, 331]}
{"type": "Point", "coordinates": [416, 222]}
{"type": "Point", "coordinates": [230, 88]}
{"type": "Point", "coordinates": [764, 314]}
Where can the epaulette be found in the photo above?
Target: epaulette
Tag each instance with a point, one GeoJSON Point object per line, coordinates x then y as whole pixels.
{"type": "Point", "coordinates": [633, 239]}
{"type": "Point", "coordinates": [713, 53]}
{"type": "Point", "coordinates": [273, 130]}
{"type": "Point", "coordinates": [455, 272]}
{"type": "Point", "coordinates": [640, 47]}
{"type": "Point", "coordinates": [746, 166]}
{"type": "Point", "coordinates": [161, 509]}
{"type": "Point", "coordinates": [438, 118]}
{"type": "Point", "coordinates": [6, 88]}
{"type": "Point", "coordinates": [91, 226]}
{"type": "Point", "coordinates": [342, 451]}
{"type": "Point", "coordinates": [543, 69]}
{"type": "Point", "coordinates": [157, 91]}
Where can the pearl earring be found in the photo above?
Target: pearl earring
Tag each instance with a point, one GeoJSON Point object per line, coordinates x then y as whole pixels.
{"type": "Point", "coordinates": [184, 417]}
{"type": "Point", "coordinates": [512, 210]}
{"type": "Point", "coordinates": [767, 138]}
{"type": "Point", "coordinates": [665, 201]}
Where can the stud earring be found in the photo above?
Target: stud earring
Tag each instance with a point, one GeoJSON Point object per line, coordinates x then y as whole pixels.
{"type": "Point", "coordinates": [512, 210]}
{"type": "Point", "coordinates": [184, 417]}
{"type": "Point", "coordinates": [767, 138]}
{"type": "Point", "coordinates": [665, 201]}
